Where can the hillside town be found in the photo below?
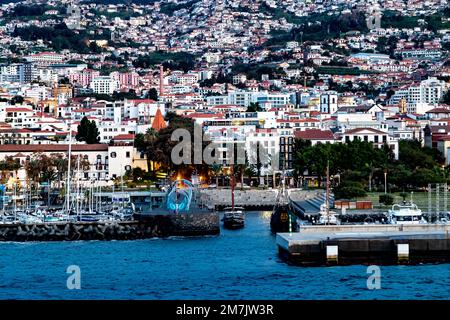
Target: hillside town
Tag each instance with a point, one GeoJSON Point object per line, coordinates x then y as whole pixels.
{"type": "Point", "coordinates": [267, 71]}
{"type": "Point", "coordinates": [253, 150]}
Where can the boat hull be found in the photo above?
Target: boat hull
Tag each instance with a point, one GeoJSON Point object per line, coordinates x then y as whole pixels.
{"type": "Point", "coordinates": [233, 224]}
{"type": "Point", "coordinates": [233, 220]}
{"type": "Point", "coordinates": [283, 220]}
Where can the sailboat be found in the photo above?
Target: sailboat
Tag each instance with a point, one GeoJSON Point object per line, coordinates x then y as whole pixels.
{"type": "Point", "coordinates": [233, 217]}
{"type": "Point", "coordinates": [325, 215]}
{"type": "Point", "coordinates": [283, 218]}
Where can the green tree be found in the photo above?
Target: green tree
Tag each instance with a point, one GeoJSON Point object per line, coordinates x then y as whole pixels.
{"type": "Point", "coordinates": [254, 107]}
{"type": "Point", "coordinates": [152, 94]}
{"type": "Point", "coordinates": [446, 98]}
{"type": "Point", "coordinates": [88, 131]}
{"type": "Point", "coordinates": [349, 190]}
{"type": "Point", "coordinates": [147, 143]}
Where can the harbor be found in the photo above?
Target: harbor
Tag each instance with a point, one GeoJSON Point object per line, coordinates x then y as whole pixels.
{"type": "Point", "coordinates": [114, 216]}
{"type": "Point", "coordinates": [236, 264]}
{"type": "Point", "coordinates": [311, 228]}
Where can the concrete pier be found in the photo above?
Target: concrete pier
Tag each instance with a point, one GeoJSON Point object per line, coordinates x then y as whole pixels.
{"type": "Point", "coordinates": [366, 244]}
{"type": "Point", "coordinates": [148, 226]}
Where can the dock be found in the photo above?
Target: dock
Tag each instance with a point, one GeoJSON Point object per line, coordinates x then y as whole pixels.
{"type": "Point", "coordinates": [366, 244]}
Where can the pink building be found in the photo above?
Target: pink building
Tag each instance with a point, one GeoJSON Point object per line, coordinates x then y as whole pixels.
{"type": "Point", "coordinates": [84, 77]}
{"type": "Point", "coordinates": [126, 79]}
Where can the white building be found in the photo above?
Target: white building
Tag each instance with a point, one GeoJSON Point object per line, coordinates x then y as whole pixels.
{"type": "Point", "coordinates": [104, 85]}
{"type": "Point", "coordinates": [106, 162]}
{"type": "Point", "coordinates": [329, 102]}
{"type": "Point", "coordinates": [377, 137]}
{"type": "Point", "coordinates": [45, 58]}
{"type": "Point", "coordinates": [421, 96]}
{"type": "Point", "coordinates": [269, 144]}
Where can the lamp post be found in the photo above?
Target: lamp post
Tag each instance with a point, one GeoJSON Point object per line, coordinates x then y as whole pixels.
{"type": "Point", "coordinates": [385, 181]}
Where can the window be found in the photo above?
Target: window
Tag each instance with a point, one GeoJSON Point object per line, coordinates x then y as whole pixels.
{"type": "Point", "coordinates": [113, 154]}
{"type": "Point", "coordinates": [127, 154]}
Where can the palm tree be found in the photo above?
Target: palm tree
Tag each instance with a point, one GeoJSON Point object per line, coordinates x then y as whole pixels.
{"type": "Point", "coordinates": [216, 170]}
{"type": "Point", "coordinates": [60, 164]}
{"type": "Point", "coordinates": [6, 166]}
{"type": "Point", "coordinates": [148, 143]}
{"type": "Point", "coordinates": [33, 169]}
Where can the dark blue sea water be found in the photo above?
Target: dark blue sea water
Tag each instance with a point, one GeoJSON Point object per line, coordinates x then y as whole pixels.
{"type": "Point", "coordinates": [239, 264]}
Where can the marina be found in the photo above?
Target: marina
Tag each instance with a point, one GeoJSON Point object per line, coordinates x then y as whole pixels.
{"type": "Point", "coordinates": [113, 216]}
{"type": "Point", "coordinates": [309, 229]}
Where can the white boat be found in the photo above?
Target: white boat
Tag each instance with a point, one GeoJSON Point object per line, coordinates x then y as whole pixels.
{"type": "Point", "coordinates": [327, 216]}
{"type": "Point", "coordinates": [405, 213]}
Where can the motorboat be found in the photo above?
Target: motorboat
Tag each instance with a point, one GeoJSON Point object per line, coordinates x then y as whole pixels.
{"type": "Point", "coordinates": [405, 213]}
{"type": "Point", "coordinates": [327, 216]}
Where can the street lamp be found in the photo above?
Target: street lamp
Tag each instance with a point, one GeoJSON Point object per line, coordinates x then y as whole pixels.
{"type": "Point", "coordinates": [385, 181]}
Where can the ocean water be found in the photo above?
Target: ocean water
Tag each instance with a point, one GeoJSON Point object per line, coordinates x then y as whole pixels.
{"type": "Point", "coordinates": [241, 264]}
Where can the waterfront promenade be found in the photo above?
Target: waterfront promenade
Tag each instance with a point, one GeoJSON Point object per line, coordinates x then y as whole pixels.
{"type": "Point", "coordinates": [252, 198]}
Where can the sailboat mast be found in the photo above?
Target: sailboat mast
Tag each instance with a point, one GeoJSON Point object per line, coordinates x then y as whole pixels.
{"type": "Point", "coordinates": [68, 169]}
{"type": "Point", "coordinates": [232, 187]}
{"type": "Point", "coordinates": [78, 186]}
{"type": "Point", "coordinates": [327, 200]}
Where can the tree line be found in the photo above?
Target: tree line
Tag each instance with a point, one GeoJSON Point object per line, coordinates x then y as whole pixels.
{"type": "Point", "coordinates": [59, 37]}
{"type": "Point", "coordinates": [357, 166]}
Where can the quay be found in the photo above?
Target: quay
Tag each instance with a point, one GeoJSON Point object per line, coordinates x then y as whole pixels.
{"type": "Point", "coordinates": [143, 227]}
{"type": "Point", "coordinates": [251, 199]}
{"type": "Point", "coordinates": [366, 244]}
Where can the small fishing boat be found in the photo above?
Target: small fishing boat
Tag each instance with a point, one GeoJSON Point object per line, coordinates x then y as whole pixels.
{"type": "Point", "coordinates": [234, 217]}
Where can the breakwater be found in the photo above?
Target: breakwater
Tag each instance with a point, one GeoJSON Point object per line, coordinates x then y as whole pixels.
{"type": "Point", "coordinates": [143, 227]}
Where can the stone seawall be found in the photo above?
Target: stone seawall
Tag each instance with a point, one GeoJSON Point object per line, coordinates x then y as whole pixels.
{"type": "Point", "coordinates": [143, 227]}
{"type": "Point", "coordinates": [251, 198]}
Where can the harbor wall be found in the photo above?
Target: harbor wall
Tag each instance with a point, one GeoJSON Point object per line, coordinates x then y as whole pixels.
{"type": "Point", "coordinates": [376, 228]}
{"type": "Point", "coordinates": [366, 244]}
{"type": "Point", "coordinates": [150, 226]}
{"type": "Point", "coordinates": [368, 251]}
{"type": "Point", "coordinates": [251, 199]}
